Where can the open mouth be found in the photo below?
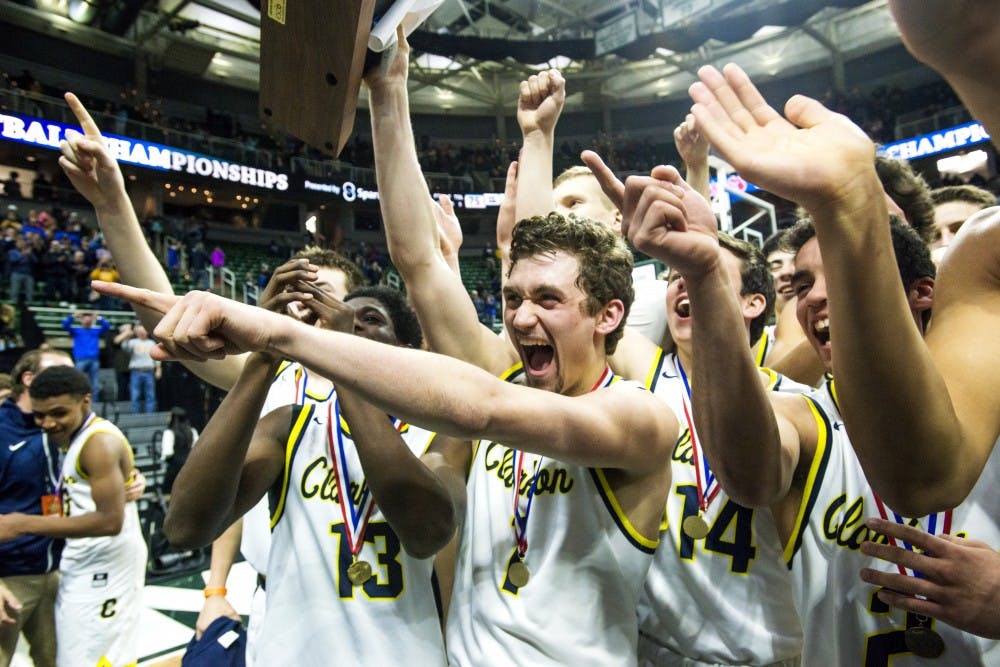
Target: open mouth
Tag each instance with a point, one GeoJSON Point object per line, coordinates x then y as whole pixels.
{"type": "Point", "coordinates": [538, 357]}
{"type": "Point", "coordinates": [787, 292]}
{"type": "Point", "coordinates": [683, 307]}
{"type": "Point", "coordinates": [821, 330]}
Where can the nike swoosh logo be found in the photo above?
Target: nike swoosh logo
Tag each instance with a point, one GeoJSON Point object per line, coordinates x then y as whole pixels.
{"type": "Point", "coordinates": [18, 446]}
{"type": "Point", "coordinates": [837, 426]}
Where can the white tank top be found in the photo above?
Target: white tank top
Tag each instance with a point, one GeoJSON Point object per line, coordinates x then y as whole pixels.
{"type": "Point", "coordinates": [120, 558]}
{"type": "Point", "coordinates": [847, 624]}
{"type": "Point", "coordinates": [586, 561]}
{"type": "Point", "coordinates": [314, 613]}
{"type": "Point", "coordinates": [724, 599]}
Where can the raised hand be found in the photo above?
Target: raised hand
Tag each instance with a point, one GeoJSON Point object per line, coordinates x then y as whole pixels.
{"type": "Point", "coordinates": [507, 215]}
{"type": "Point", "coordinates": [330, 312]}
{"type": "Point", "coordinates": [397, 71]}
{"type": "Point", "coordinates": [960, 582]}
{"type": "Point", "coordinates": [611, 184]}
{"type": "Point", "coordinates": [540, 102]}
{"type": "Point", "coordinates": [284, 293]}
{"type": "Point", "coordinates": [664, 218]}
{"type": "Point", "coordinates": [86, 161]}
{"type": "Point", "coordinates": [813, 157]}
{"type": "Point", "coordinates": [690, 143]}
{"type": "Point", "coordinates": [199, 326]}
{"type": "Point", "coordinates": [449, 230]}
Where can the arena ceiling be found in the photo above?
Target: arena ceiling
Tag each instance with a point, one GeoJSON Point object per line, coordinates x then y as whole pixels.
{"type": "Point", "coordinates": [470, 54]}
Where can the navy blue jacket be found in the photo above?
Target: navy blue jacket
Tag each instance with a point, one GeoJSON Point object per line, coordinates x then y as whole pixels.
{"type": "Point", "coordinates": [23, 481]}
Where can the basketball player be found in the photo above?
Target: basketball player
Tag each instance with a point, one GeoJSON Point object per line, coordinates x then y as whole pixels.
{"type": "Point", "coordinates": [710, 543]}
{"type": "Point", "coordinates": [103, 564]}
{"type": "Point", "coordinates": [28, 483]}
{"type": "Point", "coordinates": [98, 178]}
{"type": "Point", "coordinates": [564, 476]}
{"type": "Point", "coordinates": [331, 460]}
{"type": "Point", "coordinates": [782, 451]}
{"type": "Point", "coordinates": [575, 190]}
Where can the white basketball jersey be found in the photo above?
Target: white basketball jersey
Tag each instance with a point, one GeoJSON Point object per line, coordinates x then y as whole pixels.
{"type": "Point", "coordinates": [586, 561]}
{"type": "Point", "coordinates": [314, 613]}
{"type": "Point", "coordinates": [846, 624]}
{"type": "Point", "coordinates": [290, 387]}
{"type": "Point", "coordinates": [116, 560]}
{"type": "Point", "coordinates": [725, 599]}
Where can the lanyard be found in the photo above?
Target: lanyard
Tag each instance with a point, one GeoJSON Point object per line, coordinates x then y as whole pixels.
{"type": "Point", "coordinates": [520, 521]}
{"type": "Point", "coordinates": [708, 485]}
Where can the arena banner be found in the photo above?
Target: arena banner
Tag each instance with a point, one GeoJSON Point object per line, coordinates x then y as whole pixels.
{"type": "Point", "coordinates": [48, 134]}
{"type": "Point", "coordinates": [352, 193]}
{"type": "Point", "coordinates": [933, 143]}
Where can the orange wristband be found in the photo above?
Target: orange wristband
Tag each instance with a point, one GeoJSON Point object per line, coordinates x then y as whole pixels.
{"type": "Point", "coordinates": [209, 592]}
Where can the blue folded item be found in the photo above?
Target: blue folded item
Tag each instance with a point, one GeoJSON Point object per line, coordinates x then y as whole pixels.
{"type": "Point", "coordinates": [224, 644]}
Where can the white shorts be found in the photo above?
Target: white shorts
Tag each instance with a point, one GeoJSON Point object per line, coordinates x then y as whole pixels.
{"type": "Point", "coordinates": [99, 626]}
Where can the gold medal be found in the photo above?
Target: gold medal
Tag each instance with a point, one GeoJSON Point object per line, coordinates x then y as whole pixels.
{"type": "Point", "coordinates": [359, 572]}
{"type": "Point", "coordinates": [924, 642]}
{"type": "Point", "coordinates": [518, 574]}
{"type": "Point", "coordinates": [695, 527]}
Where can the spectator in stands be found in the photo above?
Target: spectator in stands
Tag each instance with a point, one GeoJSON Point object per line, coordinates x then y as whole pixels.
{"type": "Point", "coordinates": [79, 277]}
{"type": "Point", "coordinates": [953, 205]}
{"type": "Point", "coordinates": [263, 276]}
{"type": "Point", "coordinates": [106, 271]}
{"type": "Point", "coordinates": [12, 186]}
{"type": "Point", "coordinates": [55, 271]}
{"type": "Point", "coordinates": [176, 444]}
{"type": "Point", "coordinates": [12, 219]}
{"type": "Point", "coordinates": [199, 266]}
{"type": "Point", "coordinates": [174, 250]}
{"type": "Point", "coordinates": [218, 259]}
{"type": "Point", "coordinates": [489, 310]}
{"type": "Point", "coordinates": [42, 187]}
{"type": "Point", "coordinates": [21, 269]}
{"type": "Point", "coordinates": [86, 335]}
{"type": "Point", "coordinates": [144, 371]}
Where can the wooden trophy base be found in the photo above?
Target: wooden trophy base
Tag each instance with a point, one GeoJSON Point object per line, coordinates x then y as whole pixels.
{"type": "Point", "coordinates": [312, 58]}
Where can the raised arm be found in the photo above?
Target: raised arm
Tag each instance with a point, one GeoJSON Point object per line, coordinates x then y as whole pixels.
{"type": "Point", "coordinates": [96, 175]}
{"type": "Point", "coordinates": [752, 456]}
{"type": "Point", "coordinates": [236, 460]}
{"type": "Point", "coordinates": [446, 312]}
{"type": "Point", "coordinates": [824, 162]}
{"type": "Point", "coordinates": [607, 428]}
{"type": "Point", "coordinates": [540, 101]}
{"type": "Point", "coordinates": [693, 149]}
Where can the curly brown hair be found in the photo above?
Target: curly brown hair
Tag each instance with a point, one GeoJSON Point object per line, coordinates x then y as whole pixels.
{"type": "Point", "coordinates": [605, 261]}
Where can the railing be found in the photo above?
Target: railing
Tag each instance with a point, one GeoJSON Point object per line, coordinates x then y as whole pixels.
{"type": "Point", "coordinates": [918, 122]}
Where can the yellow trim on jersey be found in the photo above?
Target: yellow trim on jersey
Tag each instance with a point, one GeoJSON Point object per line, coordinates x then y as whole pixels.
{"type": "Point", "coordinates": [508, 375]}
{"type": "Point", "coordinates": [281, 367]}
{"type": "Point", "coordinates": [110, 431]}
{"type": "Point", "coordinates": [654, 369]}
{"type": "Point", "coordinates": [816, 472]}
{"type": "Point", "coordinates": [642, 542]}
{"type": "Point", "coordinates": [294, 438]}
{"type": "Point", "coordinates": [761, 348]}
{"type": "Point", "coordinates": [772, 377]}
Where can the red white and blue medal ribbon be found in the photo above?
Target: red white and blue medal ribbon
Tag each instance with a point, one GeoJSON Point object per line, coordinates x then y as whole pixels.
{"type": "Point", "coordinates": [355, 517]}
{"type": "Point", "coordinates": [944, 518]}
{"type": "Point", "coordinates": [708, 485]}
{"type": "Point", "coordinates": [520, 521]}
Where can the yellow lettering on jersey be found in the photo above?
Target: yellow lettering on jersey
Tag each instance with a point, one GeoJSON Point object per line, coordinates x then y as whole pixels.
{"type": "Point", "coordinates": [682, 450]}
{"type": "Point", "coordinates": [844, 524]}
{"type": "Point", "coordinates": [500, 460]}
{"type": "Point", "coordinates": [320, 480]}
